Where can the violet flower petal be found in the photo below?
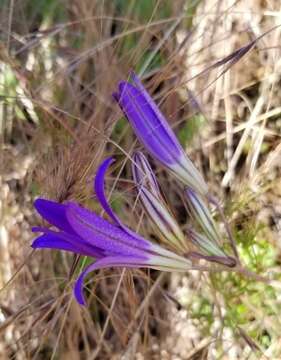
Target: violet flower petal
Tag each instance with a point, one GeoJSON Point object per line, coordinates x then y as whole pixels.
{"type": "Point", "coordinates": [147, 125]}
{"type": "Point", "coordinates": [104, 227]}
{"type": "Point", "coordinates": [51, 241]}
{"type": "Point", "coordinates": [161, 121]}
{"type": "Point", "coordinates": [103, 234]}
{"type": "Point", "coordinates": [83, 247]}
{"type": "Point", "coordinates": [53, 212]}
{"type": "Point", "coordinates": [111, 238]}
{"type": "Point", "coordinates": [114, 261]}
{"type": "Point", "coordinates": [154, 262]}
{"type": "Point", "coordinates": [100, 192]}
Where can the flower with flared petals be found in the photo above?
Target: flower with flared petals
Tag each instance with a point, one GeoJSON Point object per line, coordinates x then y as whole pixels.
{"type": "Point", "coordinates": [111, 244]}
{"type": "Point", "coordinates": [153, 130]}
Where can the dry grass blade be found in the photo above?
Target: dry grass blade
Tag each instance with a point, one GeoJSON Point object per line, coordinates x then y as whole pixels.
{"type": "Point", "coordinates": [59, 63]}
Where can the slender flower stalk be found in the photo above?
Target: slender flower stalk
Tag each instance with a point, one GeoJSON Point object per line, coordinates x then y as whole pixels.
{"type": "Point", "coordinates": [227, 227]}
{"type": "Point", "coordinates": [161, 217]}
{"type": "Point", "coordinates": [111, 244]}
{"type": "Point", "coordinates": [153, 130]}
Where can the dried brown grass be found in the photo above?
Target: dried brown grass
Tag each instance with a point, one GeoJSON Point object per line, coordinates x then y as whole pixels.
{"type": "Point", "coordinates": [65, 129]}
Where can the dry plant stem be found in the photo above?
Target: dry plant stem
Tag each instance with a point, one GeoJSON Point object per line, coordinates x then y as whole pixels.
{"type": "Point", "coordinates": [17, 272]}
{"type": "Point", "coordinates": [227, 227]}
{"type": "Point", "coordinates": [100, 342]}
{"type": "Point", "coordinates": [238, 269]}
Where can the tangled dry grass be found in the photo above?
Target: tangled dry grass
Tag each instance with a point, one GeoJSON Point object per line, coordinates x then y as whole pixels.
{"type": "Point", "coordinates": [60, 61]}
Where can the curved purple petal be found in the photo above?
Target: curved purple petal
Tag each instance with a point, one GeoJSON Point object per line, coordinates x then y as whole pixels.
{"type": "Point", "coordinates": [116, 261]}
{"type": "Point", "coordinates": [81, 246]}
{"type": "Point", "coordinates": [54, 213]}
{"type": "Point", "coordinates": [100, 192]}
{"type": "Point", "coordinates": [51, 241]}
{"type": "Point", "coordinates": [100, 233]}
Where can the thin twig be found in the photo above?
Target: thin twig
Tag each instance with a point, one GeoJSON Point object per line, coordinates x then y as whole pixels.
{"type": "Point", "coordinates": [227, 227]}
{"type": "Point", "coordinates": [239, 270]}
{"type": "Point", "coordinates": [97, 350]}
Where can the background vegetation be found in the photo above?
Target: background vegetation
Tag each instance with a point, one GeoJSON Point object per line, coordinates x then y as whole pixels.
{"type": "Point", "coordinates": [59, 63]}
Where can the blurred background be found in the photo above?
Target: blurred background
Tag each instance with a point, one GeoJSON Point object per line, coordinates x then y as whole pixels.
{"type": "Point", "coordinates": [213, 66]}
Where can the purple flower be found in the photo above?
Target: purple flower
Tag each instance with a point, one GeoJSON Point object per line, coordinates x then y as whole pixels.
{"type": "Point", "coordinates": [155, 133]}
{"type": "Point", "coordinates": [111, 244]}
